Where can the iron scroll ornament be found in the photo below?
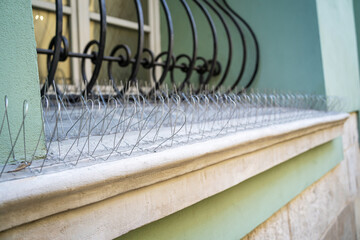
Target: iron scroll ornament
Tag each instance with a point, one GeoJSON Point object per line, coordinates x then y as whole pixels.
{"type": "Point", "coordinates": [206, 69]}
{"type": "Point", "coordinates": [52, 65]}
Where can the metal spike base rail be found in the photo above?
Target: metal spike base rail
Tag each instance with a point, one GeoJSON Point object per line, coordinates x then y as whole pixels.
{"type": "Point", "coordinates": [166, 61]}
{"type": "Point", "coordinates": [108, 128]}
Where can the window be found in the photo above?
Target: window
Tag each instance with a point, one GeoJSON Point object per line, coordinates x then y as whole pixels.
{"type": "Point", "coordinates": [81, 25]}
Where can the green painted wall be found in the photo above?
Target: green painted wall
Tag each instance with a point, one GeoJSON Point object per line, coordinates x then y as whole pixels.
{"type": "Point", "coordinates": [340, 51]}
{"type": "Point", "coordinates": [19, 76]}
{"type": "Point", "coordinates": [289, 43]}
{"type": "Point", "coordinates": [339, 33]}
{"type": "Point", "coordinates": [356, 4]}
{"type": "Point", "coordinates": [288, 34]}
{"type": "Point", "coordinates": [235, 212]}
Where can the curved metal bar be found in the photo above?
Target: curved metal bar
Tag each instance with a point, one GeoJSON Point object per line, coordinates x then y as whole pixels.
{"type": "Point", "coordinates": [184, 68]}
{"type": "Point", "coordinates": [93, 58]}
{"type": "Point", "coordinates": [170, 30]}
{"type": "Point", "coordinates": [243, 42]}
{"type": "Point", "coordinates": [101, 48]}
{"type": "Point", "coordinates": [125, 62]}
{"type": "Point", "coordinates": [64, 52]}
{"type": "Point", "coordinates": [195, 43]}
{"type": "Point", "coordinates": [57, 48]}
{"type": "Point", "coordinates": [148, 63]}
{"type": "Point", "coordinates": [215, 47]}
{"type": "Point", "coordinates": [157, 59]}
{"type": "Point", "coordinates": [203, 67]}
{"type": "Point", "coordinates": [257, 49]}
{"type": "Point", "coordinates": [222, 80]}
{"type": "Point", "coordinates": [140, 44]}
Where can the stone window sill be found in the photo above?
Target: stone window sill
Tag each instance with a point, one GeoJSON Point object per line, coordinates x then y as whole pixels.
{"type": "Point", "coordinates": [109, 199]}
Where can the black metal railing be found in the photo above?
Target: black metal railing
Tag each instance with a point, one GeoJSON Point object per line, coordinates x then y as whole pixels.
{"type": "Point", "coordinates": [58, 51]}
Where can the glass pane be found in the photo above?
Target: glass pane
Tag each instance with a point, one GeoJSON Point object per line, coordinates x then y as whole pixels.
{"type": "Point", "coordinates": [123, 9]}
{"type": "Point", "coordinates": [65, 2]}
{"type": "Point", "coordinates": [45, 23]}
{"type": "Point", "coordinates": [115, 36]}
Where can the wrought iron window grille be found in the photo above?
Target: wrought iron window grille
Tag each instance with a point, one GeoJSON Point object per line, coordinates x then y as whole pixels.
{"type": "Point", "coordinates": [58, 51]}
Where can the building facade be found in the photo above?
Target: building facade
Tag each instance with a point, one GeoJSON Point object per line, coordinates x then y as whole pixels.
{"type": "Point", "coordinates": [297, 180]}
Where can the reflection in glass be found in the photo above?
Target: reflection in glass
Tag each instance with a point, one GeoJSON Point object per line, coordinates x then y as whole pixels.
{"type": "Point", "coordinates": [44, 23]}
{"type": "Point", "coordinates": [123, 9]}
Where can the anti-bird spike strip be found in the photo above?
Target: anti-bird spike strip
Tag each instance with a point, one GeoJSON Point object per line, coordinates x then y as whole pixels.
{"type": "Point", "coordinates": [108, 128]}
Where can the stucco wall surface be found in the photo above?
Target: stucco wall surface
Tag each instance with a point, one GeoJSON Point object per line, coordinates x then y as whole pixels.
{"type": "Point", "coordinates": [19, 79]}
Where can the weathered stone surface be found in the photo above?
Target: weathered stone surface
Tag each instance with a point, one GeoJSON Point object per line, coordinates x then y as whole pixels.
{"type": "Point", "coordinates": [350, 136]}
{"type": "Point", "coordinates": [346, 223]}
{"type": "Point", "coordinates": [357, 215]}
{"type": "Point", "coordinates": [351, 155]}
{"type": "Point", "coordinates": [310, 213]}
{"type": "Point", "coordinates": [356, 166]}
{"type": "Point", "coordinates": [276, 227]}
{"type": "Point", "coordinates": [332, 233]}
{"type": "Point", "coordinates": [352, 152]}
{"type": "Point", "coordinates": [344, 228]}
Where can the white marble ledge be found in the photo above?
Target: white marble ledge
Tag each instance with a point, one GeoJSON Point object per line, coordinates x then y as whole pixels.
{"type": "Point", "coordinates": [234, 158]}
